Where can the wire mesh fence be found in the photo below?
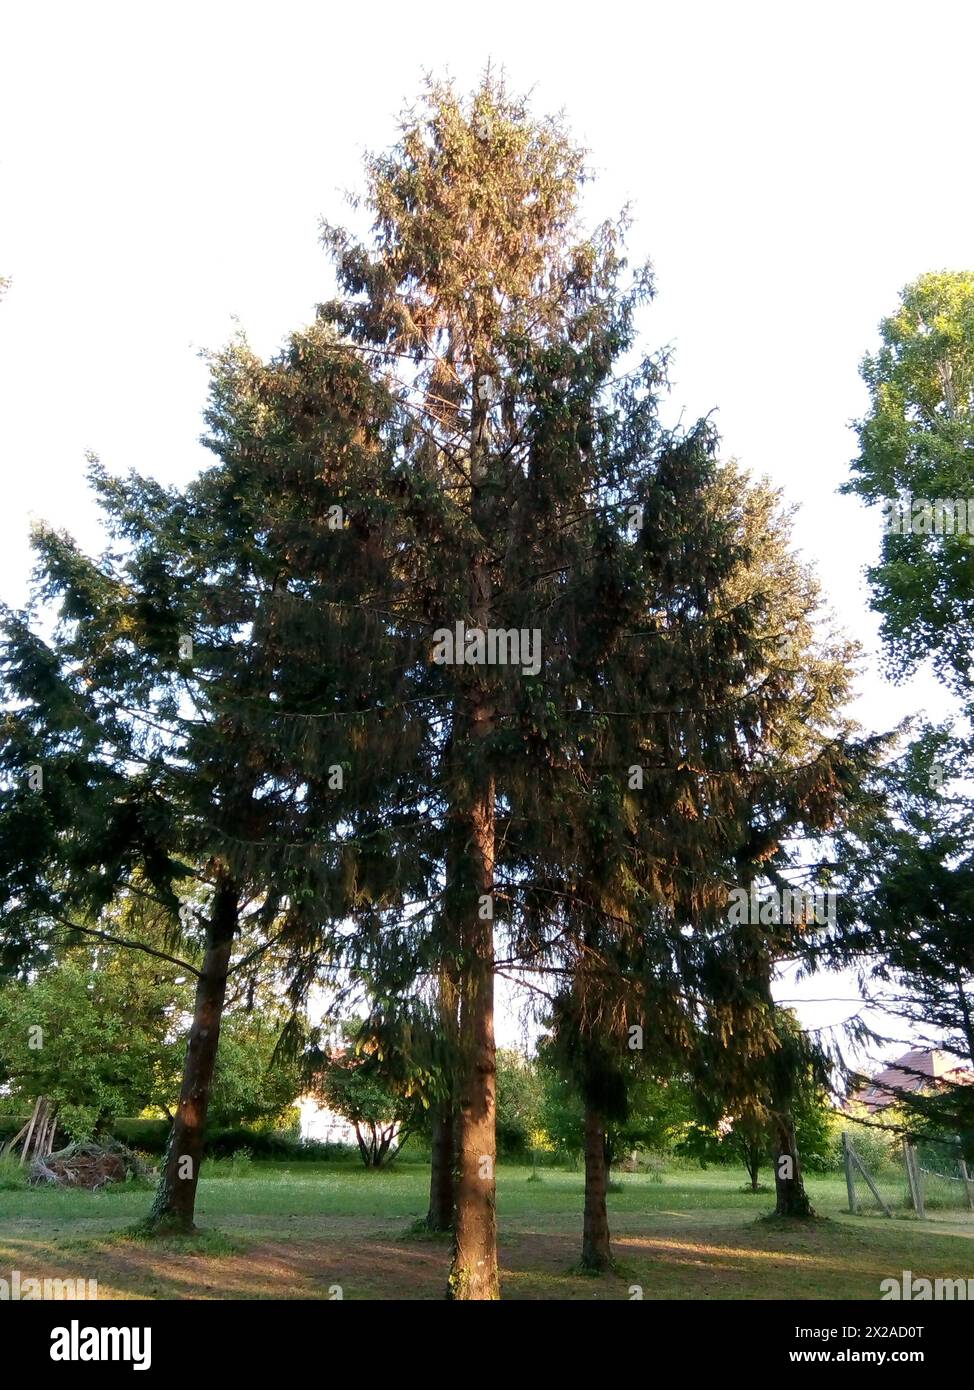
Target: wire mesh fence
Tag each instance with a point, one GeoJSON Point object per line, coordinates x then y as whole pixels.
{"type": "Point", "coordinates": [945, 1179]}
{"type": "Point", "coordinates": [878, 1183]}
{"type": "Point", "coordinates": [906, 1177]}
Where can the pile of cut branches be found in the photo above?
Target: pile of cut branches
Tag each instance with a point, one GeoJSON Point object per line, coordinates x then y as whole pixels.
{"type": "Point", "coordinates": [90, 1164]}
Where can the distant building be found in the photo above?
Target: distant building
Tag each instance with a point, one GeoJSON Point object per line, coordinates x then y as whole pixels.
{"type": "Point", "coordinates": [920, 1069]}
{"type": "Point", "coordinates": [322, 1125]}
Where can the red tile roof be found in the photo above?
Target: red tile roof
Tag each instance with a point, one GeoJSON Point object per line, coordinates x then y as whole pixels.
{"type": "Point", "coordinates": [920, 1069]}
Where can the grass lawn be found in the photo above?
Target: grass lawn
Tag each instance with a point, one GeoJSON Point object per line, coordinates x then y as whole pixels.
{"type": "Point", "coordinates": [294, 1232]}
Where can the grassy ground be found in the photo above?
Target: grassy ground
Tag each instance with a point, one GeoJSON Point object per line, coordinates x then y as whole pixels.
{"type": "Point", "coordinates": [279, 1232]}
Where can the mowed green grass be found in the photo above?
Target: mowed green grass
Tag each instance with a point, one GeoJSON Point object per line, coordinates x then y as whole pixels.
{"type": "Point", "coordinates": [312, 1230]}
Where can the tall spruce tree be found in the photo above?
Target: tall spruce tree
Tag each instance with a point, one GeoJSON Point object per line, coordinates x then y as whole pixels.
{"type": "Point", "coordinates": [728, 736]}
{"type": "Point", "coordinates": [806, 776]}
{"type": "Point", "coordinates": [531, 456]}
{"type": "Point", "coordinates": [219, 713]}
{"type": "Point", "coordinates": [503, 322]}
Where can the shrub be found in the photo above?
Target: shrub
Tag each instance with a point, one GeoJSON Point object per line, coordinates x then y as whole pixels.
{"type": "Point", "coordinates": [11, 1125]}
{"type": "Point", "coordinates": [224, 1143]}
{"type": "Point", "coordinates": [655, 1166]}
{"type": "Point", "coordinates": [12, 1174]}
{"type": "Point", "coordinates": [415, 1148]}
{"type": "Point", "coordinates": [271, 1144]}
{"type": "Point", "coordinates": [151, 1136]}
{"type": "Point", "coordinates": [241, 1163]}
{"type": "Point", "coordinates": [880, 1149]}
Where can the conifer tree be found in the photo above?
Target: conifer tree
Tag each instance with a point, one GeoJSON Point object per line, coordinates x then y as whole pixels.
{"type": "Point", "coordinates": [726, 745]}
{"type": "Point", "coordinates": [448, 589]}
{"type": "Point", "coordinates": [805, 776]}
{"type": "Point", "coordinates": [527, 459]}
{"type": "Point", "coordinates": [502, 322]}
{"type": "Point", "coordinates": [905, 871]}
{"type": "Point", "coordinates": [212, 689]}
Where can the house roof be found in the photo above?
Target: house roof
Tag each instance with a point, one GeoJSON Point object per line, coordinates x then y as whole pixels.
{"type": "Point", "coordinates": [920, 1069]}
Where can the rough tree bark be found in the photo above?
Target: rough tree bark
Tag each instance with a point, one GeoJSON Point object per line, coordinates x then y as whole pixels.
{"type": "Point", "coordinates": [175, 1204]}
{"type": "Point", "coordinates": [792, 1199]}
{"type": "Point", "coordinates": [443, 1157]}
{"type": "Point", "coordinates": [596, 1251]}
{"type": "Point", "coordinates": [473, 1273]}
{"type": "Point", "coordinates": [442, 1168]}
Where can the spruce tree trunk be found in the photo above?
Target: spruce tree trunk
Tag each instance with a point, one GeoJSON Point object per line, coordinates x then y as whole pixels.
{"type": "Point", "coordinates": [442, 1168]}
{"type": "Point", "coordinates": [788, 1181]}
{"type": "Point", "coordinates": [792, 1199]}
{"type": "Point", "coordinates": [473, 1275]}
{"type": "Point", "coordinates": [175, 1204]}
{"type": "Point", "coordinates": [596, 1253]}
{"type": "Point", "coordinates": [443, 1156]}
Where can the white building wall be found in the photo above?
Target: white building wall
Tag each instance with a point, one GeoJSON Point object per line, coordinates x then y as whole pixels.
{"type": "Point", "coordinates": [323, 1125]}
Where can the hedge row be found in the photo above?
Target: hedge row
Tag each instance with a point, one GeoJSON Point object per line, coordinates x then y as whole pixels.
{"type": "Point", "coordinates": [10, 1124]}
{"type": "Point", "coordinates": [223, 1143]}
{"type": "Point", "coordinates": [151, 1136]}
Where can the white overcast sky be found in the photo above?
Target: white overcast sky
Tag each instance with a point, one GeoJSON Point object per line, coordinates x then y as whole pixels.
{"type": "Point", "coordinates": [163, 169]}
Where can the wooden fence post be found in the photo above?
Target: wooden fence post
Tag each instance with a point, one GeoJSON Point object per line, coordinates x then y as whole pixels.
{"type": "Point", "coordinates": [850, 1181]}
{"type": "Point", "coordinates": [968, 1185]}
{"type": "Point", "coordinates": [913, 1177]}
{"type": "Point", "coordinates": [34, 1119]}
{"type": "Point", "coordinates": [867, 1176]}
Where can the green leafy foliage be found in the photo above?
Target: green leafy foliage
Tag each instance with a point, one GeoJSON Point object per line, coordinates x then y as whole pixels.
{"type": "Point", "coordinates": [917, 444]}
{"type": "Point", "coordinates": [97, 1034]}
{"type": "Point", "coordinates": [356, 1084]}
